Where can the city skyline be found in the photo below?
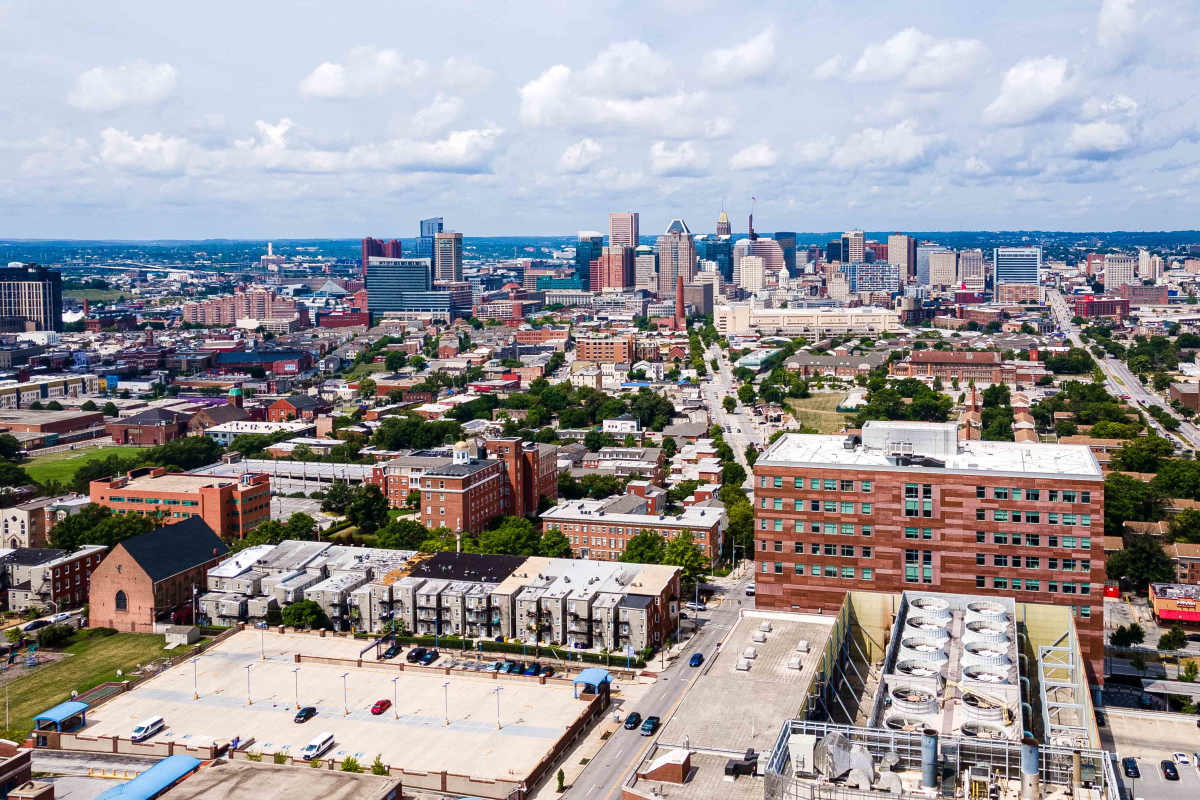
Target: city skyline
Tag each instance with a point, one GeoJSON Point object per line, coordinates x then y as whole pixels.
{"type": "Point", "coordinates": [950, 119]}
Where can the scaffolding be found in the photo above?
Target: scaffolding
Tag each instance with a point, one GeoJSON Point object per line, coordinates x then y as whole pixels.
{"type": "Point", "coordinates": [1066, 707]}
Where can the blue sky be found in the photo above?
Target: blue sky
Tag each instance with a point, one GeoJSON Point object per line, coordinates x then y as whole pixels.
{"type": "Point", "coordinates": [261, 119]}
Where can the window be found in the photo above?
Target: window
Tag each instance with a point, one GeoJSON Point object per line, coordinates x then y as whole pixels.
{"type": "Point", "coordinates": [866, 508]}
{"type": "Point", "coordinates": [980, 537]}
{"type": "Point", "coordinates": [1052, 541]}
{"type": "Point", "coordinates": [847, 572]}
{"type": "Point", "coordinates": [1052, 563]}
{"type": "Point", "coordinates": [847, 508]}
{"type": "Point", "coordinates": [799, 526]}
{"type": "Point", "coordinates": [1053, 495]}
{"type": "Point", "coordinates": [866, 530]}
{"type": "Point", "coordinates": [1085, 611]}
{"type": "Point", "coordinates": [981, 492]}
{"type": "Point", "coordinates": [815, 569]}
{"type": "Point", "coordinates": [910, 533]}
{"type": "Point", "coordinates": [846, 486]}
{"type": "Point", "coordinates": [815, 547]}
{"type": "Point", "coordinates": [980, 559]}
{"type": "Point", "coordinates": [799, 548]}
{"type": "Point", "coordinates": [830, 506]}
{"type": "Point", "coordinates": [912, 508]}
{"type": "Point", "coordinates": [1032, 562]}
{"type": "Point", "coordinates": [762, 544]}
{"type": "Point", "coordinates": [1016, 493]}
{"type": "Point", "coordinates": [814, 505]}
{"type": "Point", "coordinates": [798, 483]}
{"type": "Point", "coordinates": [1016, 584]}
{"type": "Point", "coordinates": [829, 484]}
{"type": "Point", "coordinates": [778, 546]}
{"type": "Point", "coordinates": [799, 569]}
{"type": "Point", "coordinates": [912, 556]}
{"type": "Point", "coordinates": [814, 483]}
{"type": "Point", "coordinates": [1033, 494]}
{"type": "Point", "coordinates": [1085, 520]}
{"type": "Point", "coordinates": [778, 524]}
{"type": "Point", "coordinates": [999, 538]}
{"type": "Point", "coordinates": [1068, 588]}
{"type": "Point", "coordinates": [912, 574]}
{"type": "Point", "coordinates": [1000, 493]}
{"type": "Point", "coordinates": [763, 482]}
{"type": "Point", "coordinates": [847, 529]}
{"type": "Point", "coordinates": [122, 603]}
{"type": "Point", "coordinates": [778, 567]}
{"type": "Point", "coordinates": [1052, 587]}
{"type": "Point", "coordinates": [1033, 517]}
{"type": "Point", "coordinates": [1068, 541]}
{"type": "Point", "coordinates": [829, 528]}
{"type": "Point", "coordinates": [778, 483]}
{"type": "Point", "coordinates": [814, 527]}
{"type": "Point", "coordinates": [866, 486]}
{"type": "Point", "coordinates": [999, 561]}
{"type": "Point", "coordinates": [1016, 539]}
{"type": "Point", "coordinates": [1033, 540]}
{"type": "Point", "coordinates": [797, 505]}
{"type": "Point", "coordinates": [1016, 516]}
{"type": "Point", "coordinates": [1085, 497]}
{"type": "Point", "coordinates": [830, 549]}
{"type": "Point", "coordinates": [1085, 543]}
{"type": "Point", "coordinates": [999, 583]}
{"type": "Point", "coordinates": [980, 515]}
{"type": "Point", "coordinates": [847, 551]}
{"type": "Point", "coordinates": [1068, 496]}
{"type": "Point", "coordinates": [779, 504]}
{"type": "Point", "coordinates": [867, 573]}
{"type": "Point", "coordinates": [912, 491]}
{"type": "Point", "coordinates": [1032, 585]}
{"type": "Point", "coordinates": [980, 582]}
{"type": "Point", "coordinates": [999, 515]}
{"type": "Point", "coordinates": [866, 552]}
{"type": "Point", "coordinates": [831, 572]}
{"type": "Point", "coordinates": [764, 566]}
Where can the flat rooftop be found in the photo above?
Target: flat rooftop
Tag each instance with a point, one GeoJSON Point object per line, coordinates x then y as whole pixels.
{"type": "Point", "coordinates": [247, 780]}
{"type": "Point", "coordinates": [768, 691]}
{"type": "Point", "coordinates": [175, 482]}
{"type": "Point", "coordinates": [706, 781]}
{"type": "Point", "coordinates": [414, 736]}
{"type": "Point", "coordinates": [971, 458]}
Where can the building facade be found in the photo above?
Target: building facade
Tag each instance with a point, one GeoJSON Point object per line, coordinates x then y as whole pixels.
{"type": "Point", "coordinates": [1020, 268]}
{"type": "Point", "coordinates": [231, 508]}
{"type": "Point", "coordinates": [447, 256]}
{"type": "Point", "coordinates": [30, 299]}
{"type": "Point", "coordinates": [623, 229]}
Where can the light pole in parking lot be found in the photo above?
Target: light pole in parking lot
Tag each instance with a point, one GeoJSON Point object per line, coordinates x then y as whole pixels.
{"type": "Point", "coordinates": [497, 690]}
{"type": "Point", "coordinates": [249, 701]}
{"type": "Point", "coordinates": [446, 696]}
{"type": "Point", "coordinates": [345, 695]}
{"type": "Point", "coordinates": [195, 680]}
{"type": "Point", "coordinates": [296, 672]}
{"type": "Point", "coordinates": [262, 644]}
{"type": "Point", "coordinates": [395, 698]}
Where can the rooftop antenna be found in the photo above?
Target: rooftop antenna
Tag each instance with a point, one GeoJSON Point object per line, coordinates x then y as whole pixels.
{"type": "Point", "coordinates": [753, 235]}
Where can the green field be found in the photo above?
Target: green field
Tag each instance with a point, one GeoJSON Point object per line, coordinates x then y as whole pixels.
{"type": "Point", "coordinates": [819, 412]}
{"type": "Point", "coordinates": [94, 295]}
{"type": "Point", "coordinates": [61, 466]}
{"type": "Point", "coordinates": [92, 661]}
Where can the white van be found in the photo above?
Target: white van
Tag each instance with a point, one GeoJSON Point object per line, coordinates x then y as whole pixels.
{"type": "Point", "coordinates": [147, 728]}
{"type": "Point", "coordinates": [317, 746]}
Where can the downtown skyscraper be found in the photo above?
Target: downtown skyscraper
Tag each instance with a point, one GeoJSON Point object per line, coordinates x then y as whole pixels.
{"type": "Point", "coordinates": [623, 229]}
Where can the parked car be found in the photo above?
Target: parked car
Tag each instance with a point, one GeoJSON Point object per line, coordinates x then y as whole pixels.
{"type": "Point", "coordinates": [514, 668]}
{"type": "Point", "coordinates": [531, 668]}
{"type": "Point", "coordinates": [650, 725]}
{"type": "Point", "coordinates": [1129, 765]}
{"type": "Point", "coordinates": [693, 606]}
{"type": "Point", "coordinates": [37, 623]}
{"type": "Point", "coordinates": [415, 655]}
{"type": "Point", "coordinates": [1168, 770]}
{"type": "Point", "coordinates": [147, 728]}
{"type": "Point", "coordinates": [61, 616]}
{"type": "Point", "coordinates": [633, 720]}
{"type": "Point", "coordinates": [391, 652]}
{"type": "Point", "coordinates": [305, 714]}
{"type": "Point", "coordinates": [750, 590]}
{"type": "Point", "coordinates": [547, 671]}
{"type": "Point", "coordinates": [381, 706]}
{"type": "Point", "coordinates": [696, 660]}
{"type": "Point", "coordinates": [1181, 759]}
{"type": "Point", "coordinates": [429, 657]}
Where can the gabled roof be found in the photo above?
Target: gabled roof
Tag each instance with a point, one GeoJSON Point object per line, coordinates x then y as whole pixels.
{"type": "Point", "coordinates": [219, 415]}
{"type": "Point", "coordinates": [155, 416]}
{"type": "Point", "coordinates": [301, 401]}
{"type": "Point", "coordinates": [176, 548]}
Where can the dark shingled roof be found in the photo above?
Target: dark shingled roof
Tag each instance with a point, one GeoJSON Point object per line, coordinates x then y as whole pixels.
{"type": "Point", "coordinates": [468, 567]}
{"type": "Point", "coordinates": [302, 401]}
{"type": "Point", "coordinates": [155, 416]}
{"type": "Point", "coordinates": [176, 548]}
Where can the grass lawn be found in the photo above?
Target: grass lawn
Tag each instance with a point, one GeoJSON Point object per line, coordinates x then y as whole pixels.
{"type": "Point", "coordinates": [94, 295]}
{"type": "Point", "coordinates": [92, 661]}
{"type": "Point", "coordinates": [61, 466]}
{"type": "Point", "coordinates": [819, 412]}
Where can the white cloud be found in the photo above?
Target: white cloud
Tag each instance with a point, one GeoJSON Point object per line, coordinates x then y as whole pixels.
{"type": "Point", "coordinates": [560, 97]}
{"type": "Point", "coordinates": [1117, 21]}
{"type": "Point", "coordinates": [754, 156]}
{"type": "Point", "coordinates": [152, 153]}
{"type": "Point", "coordinates": [900, 147]}
{"type": "Point", "coordinates": [627, 69]}
{"type": "Point", "coordinates": [580, 156]}
{"type": "Point", "coordinates": [1119, 105]}
{"type": "Point", "coordinates": [920, 61]}
{"type": "Point", "coordinates": [1099, 140]}
{"type": "Point", "coordinates": [463, 73]}
{"type": "Point", "coordinates": [683, 159]}
{"type": "Point", "coordinates": [436, 116]}
{"type": "Point", "coordinates": [135, 84]}
{"type": "Point", "coordinates": [1031, 90]}
{"type": "Point", "coordinates": [753, 58]}
{"type": "Point", "coordinates": [976, 166]}
{"type": "Point", "coordinates": [367, 70]}
{"type": "Point", "coordinates": [829, 68]}
{"type": "Point", "coordinates": [466, 151]}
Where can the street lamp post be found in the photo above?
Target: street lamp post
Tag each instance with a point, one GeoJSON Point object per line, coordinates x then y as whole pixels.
{"type": "Point", "coordinates": [395, 698]}
{"type": "Point", "coordinates": [345, 695]}
{"type": "Point", "coordinates": [249, 701]}
{"type": "Point", "coordinates": [497, 690]}
{"type": "Point", "coordinates": [262, 644]}
{"type": "Point", "coordinates": [446, 696]}
{"type": "Point", "coordinates": [296, 673]}
{"type": "Point", "coordinates": [195, 680]}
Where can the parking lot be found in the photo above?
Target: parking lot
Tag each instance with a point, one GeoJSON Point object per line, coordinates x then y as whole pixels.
{"type": "Point", "coordinates": [438, 721]}
{"type": "Point", "coordinates": [1151, 740]}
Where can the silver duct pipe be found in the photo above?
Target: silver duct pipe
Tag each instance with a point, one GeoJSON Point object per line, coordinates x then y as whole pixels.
{"type": "Point", "coordinates": [929, 757]}
{"type": "Point", "coordinates": [1030, 785]}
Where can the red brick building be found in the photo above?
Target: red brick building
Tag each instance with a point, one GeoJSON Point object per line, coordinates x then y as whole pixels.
{"type": "Point", "coordinates": [606, 350]}
{"type": "Point", "coordinates": [1139, 295]}
{"type": "Point", "coordinates": [297, 407]}
{"type": "Point", "coordinates": [1090, 306]}
{"type": "Point", "coordinates": [149, 428]}
{"type": "Point", "coordinates": [230, 507]}
{"type": "Point", "coordinates": [909, 506]}
{"type": "Point", "coordinates": [151, 578]}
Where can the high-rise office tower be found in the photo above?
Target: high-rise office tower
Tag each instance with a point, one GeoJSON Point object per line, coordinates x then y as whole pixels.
{"type": "Point", "coordinates": [30, 299]}
{"type": "Point", "coordinates": [853, 245]}
{"type": "Point", "coordinates": [614, 269]}
{"type": "Point", "coordinates": [1144, 270]}
{"type": "Point", "coordinates": [378, 247]}
{"type": "Point", "coordinates": [970, 269]}
{"type": "Point", "coordinates": [787, 242]}
{"type": "Point", "coordinates": [719, 250]}
{"type": "Point", "coordinates": [447, 256]}
{"type": "Point", "coordinates": [623, 229]}
{"type": "Point", "coordinates": [752, 274]}
{"type": "Point", "coordinates": [833, 251]}
{"type": "Point", "coordinates": [1118, 269]}
{"type": "Point", "coordinates": [723, 226]}
{"type": "Point", "coordinates": [1018, 273]}
{"type": "Point", "coordinates": [923, 251]}
{"type": "Point", "coordinates": [430, 228]}
{"type": "Point", "coordinates": [1157, 265]}
{"type": "Point", "coordinates": [768, 249]}
{"type": "Point", "coordinates": [587, 249]}
{"type": "Point", "coordinates": [676, 256]}
{"type": "Point", "coordinates": [943, 268]}
{"type": "Point", "coordinates": [645, 268]}
{"type": "Point", "coordinates": [902, 251]}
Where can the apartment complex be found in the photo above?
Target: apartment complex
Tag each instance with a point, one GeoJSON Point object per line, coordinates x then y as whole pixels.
{"type": "Point", "coordinates": [606, 349]}
{"type": "Point", "coordinates": [600, 529]}
{"type": "Point", "coordinates": [908, 506]}
{"type": "Point", "coordinates": [231, 507]}
{"type": "Point", "coordinates": [30, 299]}
{"type": "Point", "coordinates": [260, 304]}
{"type": "Point", "coordinates": [39, 578]}
{"type": "Point", "coordinates": [967, 365]}
{"type": "Point", "coordinates": [742, 318]}
{"type": "Point", "coordinates": [447, 256]}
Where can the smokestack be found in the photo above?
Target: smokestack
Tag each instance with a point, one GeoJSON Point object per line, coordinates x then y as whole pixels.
{"type": "Point", "coordinates": [929, 755]}
{"type": "Point", "coordinates": [1030, 786]}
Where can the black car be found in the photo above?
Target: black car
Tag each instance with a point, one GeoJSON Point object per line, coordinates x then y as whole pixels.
{"type": "Point", "coordinates": [1168, 770]}
{"type": "Point", "coordinates": [415, 655]}
{"type": "Point", "coordinates": [633, 721]}
{"type": "Point", "coordinates": [1131, 768]}
{"type": "Point", "coordinates": [391, 652]}
{"type": "Point", "coordinates": [651, 725]}
{"type": "Point", "coordinates": [37, 623]}
{"type": "Point", "coordinates": [305, 714]}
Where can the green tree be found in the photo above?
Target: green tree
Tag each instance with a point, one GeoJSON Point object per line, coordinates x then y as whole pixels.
{"type": "Point", "coordinates": [305, 614]}
{"type": "Point", "coordinates": [10, 448]}
{"type": "Point", "coordinates": [1190, 672]}
{"type": "Point", "coordinates": [378, 767]}
{"type": "Point", "coordinates": [402, 534]}
{"type": "Point", "coordinates": [1127, 498]}
{"type": "Point", "coordinates": [1174, 639]}
{"type": "Point", "coordinates": [413, 498]}
{"type": "Point", "coordinates": [350, 764]}
{"type": "Point", "coordinates": [682, 552]}
{"type": "Point", "coordinates": [1140, 563]}
{"type": "Point", "coordinates": [1142, 454]}
{"type": "Point", "coordinates": [368, 508]}
{"type": "Point", "coordinates": [669, 447]}
{"type": "Point", "coordinates": [514, 536]}
{"type": "Point", "coordinates": [554, 544]}
{"type": "Point", "coordinates": [300, 526]}
{"type": "Point", "coordinates": [644, 547]}
{"type": "Point", "coordinates": [395, 360]}
{"type": "Point", "coordinates": [110, 409]}
{"type": "Point", "coordinates": [96, 524]}
{"type": "Point", "coordinates": [751, 454]}
{"type": "Point", "coordinates": [745, 393]}
{"type": "Point", "coordinates": [12, 475]}
{"type": "Point", "coordinates": [595, 440]}
{"type": "Point", "coordinates": [337, 497]}
{"type": "Point", "coordinates": [14, 634]}
{"type": "Point", "coordinates": [729, 404]}
{"type": "Point", "coordinates": [88, 405]}
{"type": "Point", "coordinates": [1138, 662]}
{"type": "Point", "coordinates": [54, 405]}
{"type": "Point", "coordinates": [54, 636]}
{"type": "Point", "coordinates": [417, 363]}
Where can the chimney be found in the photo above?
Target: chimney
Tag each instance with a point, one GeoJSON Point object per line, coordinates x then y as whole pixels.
{"type": "Point", "coordinates": [1030, 788]}
{"type": "Point", "coordinates": [1033, 354]}
{"type": "Point", "coordinates": [929, 757]}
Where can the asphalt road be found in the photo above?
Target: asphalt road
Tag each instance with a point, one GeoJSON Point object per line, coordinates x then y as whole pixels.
{"type": "Point", "coordinates": [604, 775]}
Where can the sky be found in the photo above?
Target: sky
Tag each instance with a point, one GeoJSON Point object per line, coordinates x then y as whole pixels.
{"type": "Point", "coordinates": [330, 119]}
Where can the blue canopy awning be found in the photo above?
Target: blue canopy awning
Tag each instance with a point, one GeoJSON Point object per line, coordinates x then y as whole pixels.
{"type": "Point", "coordinates": [60, 713]}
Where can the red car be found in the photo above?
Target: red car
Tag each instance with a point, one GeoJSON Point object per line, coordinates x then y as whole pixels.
{"type": "Point", "coordinates": [381, 706]}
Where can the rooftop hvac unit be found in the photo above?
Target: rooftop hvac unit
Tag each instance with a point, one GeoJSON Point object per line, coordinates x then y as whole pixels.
{"type": "Point", "coordinates": [743, 665]}
{"type": "Point", "coordinates": [795, 662]}
{"type": "Point", "coordinates": [759, 637]}
{"type": "Point", "coordinates": [764, 626]}
{"type": "Point", "coordinates": [802, 646]}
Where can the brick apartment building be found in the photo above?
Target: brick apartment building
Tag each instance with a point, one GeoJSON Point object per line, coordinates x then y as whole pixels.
{"type": "Point", "coordinates": [231, 508]}
{"type": "Point", "coordinates": [1138, 295]}
{"type": "Point", "coordinates": [150, 428]}
{"type": "Point", "coordinates": [910, 506]}
{"type": "Point", "coordinates": [606, 349]}
{"type": "Point", "coordinates": [261, 304]}
{"type": "Point", "coordinates": [967, 365]}
{"type": "Point", "coordinates": [463, 492]}
{"type": "Point", "coordinates": [40, 578]}
{"type": "Point", "coordinates": [1090, 307]}
{"type": "Point", "coordinates": [151, 578]}
{"type": "Point", "coordinates": [297, 407]}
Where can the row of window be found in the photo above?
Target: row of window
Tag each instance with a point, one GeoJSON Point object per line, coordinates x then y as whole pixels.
{"type": "Point", "coordinates": [1033, 562]}
{"type": "Point", "coordinates": [1029, 585]}
{"type": "Point", "coordinates": [818, 548]}
{"type": "Point", "coordinates": [1052, 495]}
{"type": "Point", "coordinates": [830, 528]}
{"type": "Point", "coordinates": [827, 506]}
{"type": "Point", "coordinates": [826, 571]}
{"type": "Point", "coordinates": [816, 484]}
{"type": "Point", "coordinates": [1035, 540]}
{"type": "Point", "coordinates": [1033, 517]}
{"type": "Point", "coordinates": [154, 501]}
